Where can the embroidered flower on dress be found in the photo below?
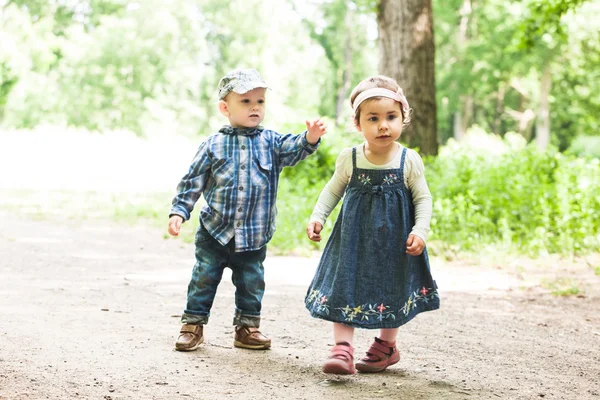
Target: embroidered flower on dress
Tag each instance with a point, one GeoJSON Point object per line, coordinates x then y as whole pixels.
{"type": "Point", "coordinates": [365, 312]}
{"type": "Point", "coordinates": [390, 179]}
{"type": "Point", "coordinates": [364, 179]}
{"type": "Point", "coordinates": [416, 298]}
{"type": "Point", "coordinates": [318, 302]}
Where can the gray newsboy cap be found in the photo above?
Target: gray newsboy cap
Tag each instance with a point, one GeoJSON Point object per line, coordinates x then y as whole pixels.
{"type": "Point", "coordinates": [240, 81]}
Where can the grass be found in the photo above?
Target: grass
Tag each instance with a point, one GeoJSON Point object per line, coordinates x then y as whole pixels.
{"type": "Point", "coordinates": [82, 205]}
{"type": "Point", "coordinates": [148, 208]}
{"type": "Point", "coordinates": [562, 287]}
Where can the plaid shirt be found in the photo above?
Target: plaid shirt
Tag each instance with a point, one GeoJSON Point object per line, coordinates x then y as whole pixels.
{"type": "Point", "coordinates": [238, 170]}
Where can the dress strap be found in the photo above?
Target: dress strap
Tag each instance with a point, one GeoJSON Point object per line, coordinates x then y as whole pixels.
{"type": "Point", "coordinates": [354, 158]}
{"type": "Point", "coordinates": [402, 164]}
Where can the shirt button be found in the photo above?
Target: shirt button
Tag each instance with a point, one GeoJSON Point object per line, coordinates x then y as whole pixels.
{"type": "Point", "coordinates": [240, 209]}
{"type": "Point", "coordinates": [243, 147]}
{"type": "Point", "coordinates": [243, 167]}
{"type": "Point", "coordinates": [241, 188]}
{"type": "Point", "coordinates": [239, 224]}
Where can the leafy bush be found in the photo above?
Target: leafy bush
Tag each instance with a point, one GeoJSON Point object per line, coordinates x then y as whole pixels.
{"type": "Point", "coordinates": [585, 146]}
{"type": "Point", "coordinates": [488, 192]}
{"type": "Point", "coordinates": [299, 189]}
{"type": "Point", "coordinates": [516, 197]}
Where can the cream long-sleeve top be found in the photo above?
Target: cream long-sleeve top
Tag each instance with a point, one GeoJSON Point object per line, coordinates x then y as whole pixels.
{"type": "Point", "coordinates": [414, 179]}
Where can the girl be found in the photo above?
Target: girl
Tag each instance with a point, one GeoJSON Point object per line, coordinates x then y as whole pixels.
{"type": "Point", "coordinates": [374, 272]}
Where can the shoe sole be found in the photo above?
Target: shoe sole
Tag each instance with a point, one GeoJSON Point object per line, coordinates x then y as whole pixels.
{"type": "Point", "coordinates": [340, 368]}
{"type": "Point", "coordinates": [252, 346]}
{"type": "Point", "coordinates": [190, 348]}
{"type": "Point", "coordinates": [374, 368]}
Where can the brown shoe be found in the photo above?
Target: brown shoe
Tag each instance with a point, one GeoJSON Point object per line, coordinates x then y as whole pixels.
{"type": "Point", "coordinates": [190, 337]}
{"type": "Point", "coordinates": [248, 339]}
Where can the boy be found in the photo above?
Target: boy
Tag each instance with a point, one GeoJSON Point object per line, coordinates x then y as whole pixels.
{"type": "Point", "coordinates": [237, 170]}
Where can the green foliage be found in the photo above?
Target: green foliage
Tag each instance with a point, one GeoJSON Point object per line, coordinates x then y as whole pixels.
{"type": "Point", "coordinates": [112, 64]}
{"type": "Point", "coordinates": [562, 287]}
{"type": "Point", "coordinates": [585, 146]}
{"type": "Point", "coordinates": [520, 199]}
{"type": "Point", "coordinates": [346, 51]}
{"type": "Point", "coordinates": [484, 75]}
{"type": "Point", "coordinates": [489, 192]}
{"type": "Point", "coordinates": [544, 17]}
{"type": "Point", "coordinates": [153, 66]}
{"type": "Point", "coordinates": [299, 189]}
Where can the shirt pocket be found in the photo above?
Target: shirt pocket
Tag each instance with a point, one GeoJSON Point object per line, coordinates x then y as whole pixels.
{"type": "Point", "coordinates": [262, 166]}
{"type": "Point", "coordinates": [223, 172]}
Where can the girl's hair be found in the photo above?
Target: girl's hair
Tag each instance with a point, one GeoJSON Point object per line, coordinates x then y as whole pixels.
{"type": "Point", "coordinates": [379, 81]}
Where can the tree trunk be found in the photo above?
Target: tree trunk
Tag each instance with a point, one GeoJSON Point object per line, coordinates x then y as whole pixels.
{"type": "Point", "coordinates": [542, 126]}
{"type": "Point", "coordinates": [464, 113]}
{"type": "Point", "coordinates": [458, 126]}
{"type": "Point", "coordinates": [407, 54]}
{"type": "Point", "coordinates": [463, 117]}
{"type": "Point", "coordinates": [499, 109]}
{"type": "Point", "coordinates": [346, 72]}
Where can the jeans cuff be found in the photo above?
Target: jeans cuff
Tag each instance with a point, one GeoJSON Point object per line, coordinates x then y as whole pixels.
{"type": "Point", "coordinates": [194, 319]}
{"type": "Point", "coordinates": [252, 321]}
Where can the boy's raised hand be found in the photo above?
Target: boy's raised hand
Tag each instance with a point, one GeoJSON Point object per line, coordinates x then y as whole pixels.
{"type": "Point", "coordinates": [414, 245]}
{"type": "Point", "coordinates": [175, 225]}
{"type": "Point", "coordinates": [313, 230]}
{"type": "Point", "coordinates": [315, 129]}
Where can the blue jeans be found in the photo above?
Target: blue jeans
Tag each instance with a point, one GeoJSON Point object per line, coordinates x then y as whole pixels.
{"type": "Point", "coordinates": [247, 277]}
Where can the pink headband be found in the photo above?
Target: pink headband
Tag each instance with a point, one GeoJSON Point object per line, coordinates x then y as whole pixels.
{"type": "Point", "coordinates": [382, 92]}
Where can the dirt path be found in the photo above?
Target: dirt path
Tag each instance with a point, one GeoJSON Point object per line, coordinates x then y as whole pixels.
{"type": "Point", "coordinates": [89, 310]}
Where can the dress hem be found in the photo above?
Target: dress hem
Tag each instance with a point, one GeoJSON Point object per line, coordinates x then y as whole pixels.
{"type": "Point", "coordinates": [390, 325]}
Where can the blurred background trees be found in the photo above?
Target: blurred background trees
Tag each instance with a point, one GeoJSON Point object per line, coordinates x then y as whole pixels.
{"type": "Point", "coordinates": [527, 69]}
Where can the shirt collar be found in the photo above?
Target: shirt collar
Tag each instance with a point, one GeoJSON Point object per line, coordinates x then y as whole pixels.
{"type": "Point", "coordinates": [230, 130]}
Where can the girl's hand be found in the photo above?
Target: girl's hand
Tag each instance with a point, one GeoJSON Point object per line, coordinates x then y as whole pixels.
{"type": "Point", "coordinates": [313, 231]}
{"type": "Point", "coordinates": [175, 225]}
{"type": "Point", "coordinates": [315, 129]}
{"type": "Point", "coordinates": [414, 245]}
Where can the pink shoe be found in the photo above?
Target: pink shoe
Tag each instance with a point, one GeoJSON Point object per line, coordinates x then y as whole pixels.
{"type": "Point", "coordinates": [380, 356]}
{"type": "Point", "coordinates": [341, 360]}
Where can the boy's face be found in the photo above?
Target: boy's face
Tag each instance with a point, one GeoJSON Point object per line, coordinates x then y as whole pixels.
{"type": "Point", "coordinates": [244, 110]}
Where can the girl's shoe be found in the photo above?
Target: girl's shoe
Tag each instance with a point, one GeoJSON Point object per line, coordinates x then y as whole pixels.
{"type": "Point", "coordinates": [341, 360]}
{"type": "Point", "coordinates": [380, 356]}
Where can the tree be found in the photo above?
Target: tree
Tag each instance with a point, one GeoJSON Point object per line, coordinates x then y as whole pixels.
{"type": "Point", "coordinates": [346, 50]}
{"type": "Point", "coordinates": [545, 21]}
{"type": "Point", "coordinates": [407, 54]}
{"type": "Point", "coordinates": [545, 17]}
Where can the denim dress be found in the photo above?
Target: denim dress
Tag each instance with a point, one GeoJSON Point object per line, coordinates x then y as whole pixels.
{"type": "Point", "coordinates": [365, 279]}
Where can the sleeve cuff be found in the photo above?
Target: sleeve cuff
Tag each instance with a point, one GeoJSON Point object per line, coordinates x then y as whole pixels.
{"type": "Point", "coordinates": [182, 213]}
{"type": "Point", "coordinates": [317, 218]}
{"type": "Point", "coordinates": [421, 235]}
{"type": "Point", "coordinates": [307, 145]}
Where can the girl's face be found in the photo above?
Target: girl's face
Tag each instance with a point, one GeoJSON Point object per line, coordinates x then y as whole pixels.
{"type": "Point", "coordinates": [244, 110]}
{"type": "Point", "coordinates": [380, 121]}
